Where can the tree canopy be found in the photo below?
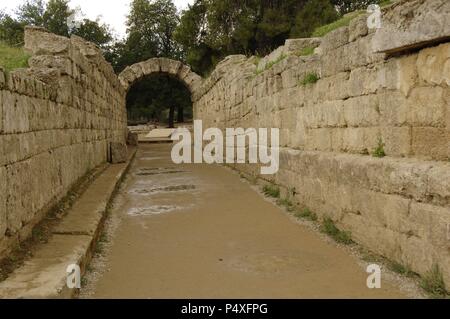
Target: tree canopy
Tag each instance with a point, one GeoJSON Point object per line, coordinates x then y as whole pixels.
{"type": "Point", "coordinates": [55, 16]}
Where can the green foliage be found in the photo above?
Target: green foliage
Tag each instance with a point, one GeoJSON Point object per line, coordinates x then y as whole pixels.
{"type": "Point", "coordinates": [52, 15]}
{"type": "Point", "coordinates": [310, 78]}
{"type": "Point", "coordinates": [11, 30]}
{"type": "Point", "coordinates": [306, 214]}
{"type": "Point", "coordinates": [313, 15]}
{"type": "Point", "coordinates": [56, 15]}
{"type": "Point", "coordinates": [342, 22]}
{"type": "Point", "coordinates": [287, 204]}
{"type": "Point", "coordinates": [306, 51]}
{"type": "Point", "coordinates": [94, 31]}
{"type": "Point", "coordinates": [401, 269]}
{"type": "Point", "coordinates": [271, 191]}
{"type": "Point", "coordinates": [149, 99]}
{"type": "Point", "coordinates": [379, 150]}
{"type": "Point", "coordinates": [329, 228]}
{"type": "Point", "coordinates": [433, 283]}
{"type": "Point", "coordinates": [212, 29]}
{"type": "Point", "coordinates": [346, 6]}
{"type": "Point", "coordinates": [12, 58]}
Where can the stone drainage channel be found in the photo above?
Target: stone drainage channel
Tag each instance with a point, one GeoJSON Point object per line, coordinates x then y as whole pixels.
{"type": "Point", "coordinates": [199, 231]}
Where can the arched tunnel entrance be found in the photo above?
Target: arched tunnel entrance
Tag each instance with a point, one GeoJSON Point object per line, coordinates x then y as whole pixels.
{"type": "Point", "coordinates": [168, 70]}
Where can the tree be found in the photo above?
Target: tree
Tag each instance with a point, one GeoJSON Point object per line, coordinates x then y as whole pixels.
{"type": "Point", "coordinates": [211, 29]}
{"type": "Point", "coordinates": [95, 32]}
{"type": "Point", "coordinates": [31, 12]}
{"type": "Point", "coordinates": [54, 16]}
{"type": "Point", "coordinates": [346, 6]}
{"type": "Point", "coordinates": [11, 31]}
{"type": "Point", "coordinates": [313, 15]}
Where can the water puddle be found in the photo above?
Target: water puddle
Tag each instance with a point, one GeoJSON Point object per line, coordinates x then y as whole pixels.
{"type": "Point", "coordinates": [157, 190]}
{"type": "Point", "coordinates": [158, 171]}
{"type": "Point", "coordinates": [151, 158]}
{"type": "Point", "coordinates": [152, 210]}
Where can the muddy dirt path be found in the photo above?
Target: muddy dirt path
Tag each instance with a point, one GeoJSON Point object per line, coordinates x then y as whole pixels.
{"type": "Point", "coordinates": [199, 231]}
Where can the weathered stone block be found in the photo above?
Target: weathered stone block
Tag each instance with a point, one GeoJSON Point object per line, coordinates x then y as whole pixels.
{"type": "Point", "coordinates": [132, 139]}
{"type": "Point", "coordinates": [397, 140]}
{"type": "Point", "coordinates": [433, 65]}
{"type": "Point", "coordinates": [427, 107]}
{"type": "Point", "coordinates": [3, 196]}
{"type": "Point", "coordinates": [2, 78]}
{"type": "Point", "coordinates": [431, 142]}
{"type": "Point", "coordinates": [335, 39]}
{"type": "Point", "coordinates": [412, 24]}
{"type": "Point", "coordinates": [358, 28]}
{"type": "Point", "coordinates": [119, 153]}
{"type": "Point", "coordinates": [39, 41]}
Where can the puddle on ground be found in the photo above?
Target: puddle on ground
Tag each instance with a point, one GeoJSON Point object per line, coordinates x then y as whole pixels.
{"type": "Point", "coordinates": [154, 158]}
{"type": "Point", "coordinates": [157, 190]}
{"type": "Point", "coordinates": [151, 210]}
{"type": "Point", "coordinates": [158, 172]}
{"type": "Point", "coordinates": [273, 264]}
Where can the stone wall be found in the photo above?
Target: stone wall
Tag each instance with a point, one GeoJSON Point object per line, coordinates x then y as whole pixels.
{"type": "Point", "coordinates": [371, 90]}
{"type": "Point", "coordinates": [57, 119]}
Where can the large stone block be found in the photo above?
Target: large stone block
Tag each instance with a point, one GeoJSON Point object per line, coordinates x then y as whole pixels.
{"type": "Point", "coordinates": [433, 65]}
{"type": "Point", "coordinates": [119, 153]}
{"type": "Point", "coordinates": [427, 107]}
{"type": "Point", "coordinates": [430, 142]}
{"type": "Point", "coordinates": [3, 196]}
{"type": "Point", "coordinates": [39, 41]}
{"type": "Point", "coordinates": [412, 24]}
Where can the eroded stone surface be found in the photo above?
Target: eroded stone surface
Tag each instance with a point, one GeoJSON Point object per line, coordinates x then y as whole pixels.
{"type": "Point", "coordinates": [412, 24]}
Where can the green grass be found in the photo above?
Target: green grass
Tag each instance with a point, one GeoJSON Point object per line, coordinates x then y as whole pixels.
{"type": "Point", "coordinates": [310, 78]}
{"type": "Point", "coordinates": [329, 228]}
{"type": "Point", "coordinates": [306, 51]}
{"type": "Point", "coordinates": [401, 269]}
{"type": "Point", "coordinates": [433, 283]}
{"type": "Point", "coordinates": [271, 191]}
{"type": "Point", "coordinates": [270, 64]}
{"type": "Point", "coordinates": [379, 150]}
{"type": "Point", "coordinates": [306, 214]}
{"type": "Point", "coordinates": [290, 207]}
{"type": "Point", "coordinates": [12, 58]}
{"type": "Point", "coordinates": [342, 22]}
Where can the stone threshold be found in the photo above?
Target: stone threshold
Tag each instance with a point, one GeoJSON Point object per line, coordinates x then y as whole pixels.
{"type": "Point", "coordinates": [73, 241]}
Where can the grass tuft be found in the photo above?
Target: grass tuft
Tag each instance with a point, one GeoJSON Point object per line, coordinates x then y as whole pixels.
{"type": "Point", "coordinates": [271, 64]}
{"type": "Point", "coordinates": [379, 151]}
{"type": "Point", "coordinates": [342, 237]}
{"type": "Point", "coordinates": [306, 51]}
{"type": "Point", "coordinates": [433, 283]}
{"type": "Point", "coordinates": [271, 191]}
{"type": "Point", "coordinates": [306, 214]}
{"type": "Point", "coordinates": [342, 22]}
{"type": "Point", "coordinates": [401, 269]}
{"type": "Point", "coordinates": [310, 78]}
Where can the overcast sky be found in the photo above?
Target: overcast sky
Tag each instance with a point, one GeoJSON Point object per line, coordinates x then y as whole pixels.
{"type": "Point", "coordinates": [113, 12]}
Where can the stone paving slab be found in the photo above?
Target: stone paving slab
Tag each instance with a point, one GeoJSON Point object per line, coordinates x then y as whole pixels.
{"type": "Point", "coordinates": [74, 239]}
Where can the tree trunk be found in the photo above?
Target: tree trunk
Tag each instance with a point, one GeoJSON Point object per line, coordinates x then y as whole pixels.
{"type": "Point", "coordinates": [172, 117]}
{"type": "Point", "coordinates": [180, 114]}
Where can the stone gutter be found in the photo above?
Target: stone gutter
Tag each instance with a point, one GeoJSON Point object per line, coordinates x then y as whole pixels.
{"type": "Point", "coordinates": [73, 242]}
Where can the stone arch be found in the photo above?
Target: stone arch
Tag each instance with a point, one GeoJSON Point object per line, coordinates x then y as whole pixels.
{"type": "Point", "coordinates": [173, 68]}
